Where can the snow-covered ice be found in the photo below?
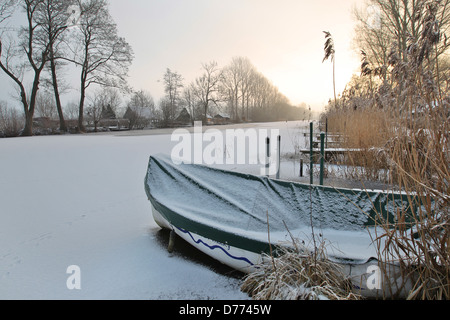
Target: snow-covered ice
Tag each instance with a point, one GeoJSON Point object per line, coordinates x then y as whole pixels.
{"type": "Point", "coordinates": [80, 200]}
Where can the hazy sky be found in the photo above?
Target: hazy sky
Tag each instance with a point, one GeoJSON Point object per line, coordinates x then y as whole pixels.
{"type": "Point", "coordinates": [282, 38]}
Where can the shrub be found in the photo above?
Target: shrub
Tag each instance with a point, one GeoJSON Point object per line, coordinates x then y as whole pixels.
{"type": "Point", "coordinates": [11, 123]}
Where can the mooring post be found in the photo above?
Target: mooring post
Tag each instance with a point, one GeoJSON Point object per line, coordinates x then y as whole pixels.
{"type": "Point", "coordinates": [311, 153]}
{"type": "Point", "coordinates": [322, 157]}
{"type": "Point", "coordinates": [301, 168]}
{"type": "Point", "coordinates": [279, 158]}
{"type": "Point", "coordinates": [267, 156]}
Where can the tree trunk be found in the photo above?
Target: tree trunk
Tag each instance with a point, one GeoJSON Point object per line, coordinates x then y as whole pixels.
{"type": "Point", "coordinates": [81, 128]}
{"type": "Point", "coordinates": [62, 122]}
{"type": "Point", "coordinates": [29, 108]}
{"type": "Point", "coordinates": [28, 129]}
{"type": "Point", "coordinates": [206, 108]}
{"type": "Point", "coordinates": [236, 106]}
{"type": "Point", "coordinates": [243, 106]}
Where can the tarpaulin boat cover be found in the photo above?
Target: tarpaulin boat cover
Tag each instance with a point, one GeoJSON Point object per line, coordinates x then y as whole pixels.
{"type": "Point", "coordinates": [242, 204]}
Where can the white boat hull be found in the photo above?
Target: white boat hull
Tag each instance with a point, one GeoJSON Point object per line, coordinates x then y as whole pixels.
{"type": "Point", "coordinates": [367, 279]}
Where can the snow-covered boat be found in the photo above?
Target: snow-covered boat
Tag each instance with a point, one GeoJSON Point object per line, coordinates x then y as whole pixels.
{"type": "Point", "coordinates": [230, 215]}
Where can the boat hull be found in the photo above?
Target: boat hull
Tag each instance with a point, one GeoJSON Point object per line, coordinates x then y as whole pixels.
{"type": "Point", "coordinates": [227, 215]}
{"type": "Point", "coordinates": [236, 258]}
{"type": "Point", "coordinates": [363, 275]}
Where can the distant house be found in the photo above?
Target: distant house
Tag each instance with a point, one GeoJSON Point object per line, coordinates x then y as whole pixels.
{"type": "Point", "coordinates": [108, 113]}
{"type": "Point", "coordinates": [209, 120]}
{"type": "Point", "coordinates": [184, 118]}
{"type": "Point", "coordinates": [222, 118]}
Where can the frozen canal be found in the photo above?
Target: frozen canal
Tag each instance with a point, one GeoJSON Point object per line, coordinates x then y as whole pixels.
{"type": "Point", "coordinates": [80, 201]}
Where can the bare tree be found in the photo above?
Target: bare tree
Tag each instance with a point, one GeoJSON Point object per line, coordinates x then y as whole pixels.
{"type": "Point", "coordinates": [30, 53]}
{"type": "Point", "coordinates": [387, 30]}
{"type": "Point", "coordinates": [53, 16]}
{"type": "Point", "coordinates": [246, 71]}
{"type": "Point", "coordinates": [71, 110]}
{"type": "Point", "coordinates": [166, 110]}
{"type": "Point", "coordinates": [260, 85]}
{"type": "Point", "coordinates": [45, 105]}
{"type": "Point", "coordinates": [7, 8]}
{"type": "Point", "coordinates": [109, 97]}
{"type": "Point", "coordinates": [10, 121]}
{"type": "Point", "coordinates": [173, 82]}
{"type": "Point", "coordinates": [190, 99]}
{"type": "Point", "coordinates": [206, 86]}
{"type": "Point", "coordinates": [230, 87]}
{"type": "Point", "coordinates": [103, 56]}
{"type": "Point", "coordinates": [372, 38]}
{"type": "Point", "coordinates": [140, 110]}
{"type": "Point", "coordinates": [93, 113]}
{"type": "Point", "coordinates": [104, 104]}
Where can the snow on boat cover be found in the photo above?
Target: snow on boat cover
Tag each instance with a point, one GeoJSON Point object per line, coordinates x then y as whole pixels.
{"type": "Point", "coordinates": [233, 209]}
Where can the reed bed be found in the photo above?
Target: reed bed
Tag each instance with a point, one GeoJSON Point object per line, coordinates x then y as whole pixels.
{"type": "Point", "coordinates": [403, 128]}
{"type": "Point", "coordinates": [419, 165]}
{"type": "Point", "coordinates": [411, 150]}
{"type": "Point", "coordinates": [400, 124]}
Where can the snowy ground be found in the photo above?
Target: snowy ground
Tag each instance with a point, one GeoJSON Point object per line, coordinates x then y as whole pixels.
{"type": "Point", "coordinates": [80, 200]}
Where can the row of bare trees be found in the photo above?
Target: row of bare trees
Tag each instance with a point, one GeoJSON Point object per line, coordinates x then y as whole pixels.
{"type": "Point", "coordinates": [55, 33]}
{"type": "Point", "coordinates": [238, 90]}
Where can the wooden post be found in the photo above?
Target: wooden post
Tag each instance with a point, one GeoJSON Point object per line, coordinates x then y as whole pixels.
{"type": "Point", "coordinates": [267, 156]}
{"type": "Point", "coordinates": [322, 157]}
{"type": "Point", "coordinates": [301, 168]}
{"type": "Point", "coordinates": [311, 153]}
{"type": "Point", "coordinates": [279, 158]}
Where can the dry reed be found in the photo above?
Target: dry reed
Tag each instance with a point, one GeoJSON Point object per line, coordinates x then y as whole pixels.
{"type": "Point", "coordinates": [298, 274]}
{"type": "Point", "coordinates": [403, 126]}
